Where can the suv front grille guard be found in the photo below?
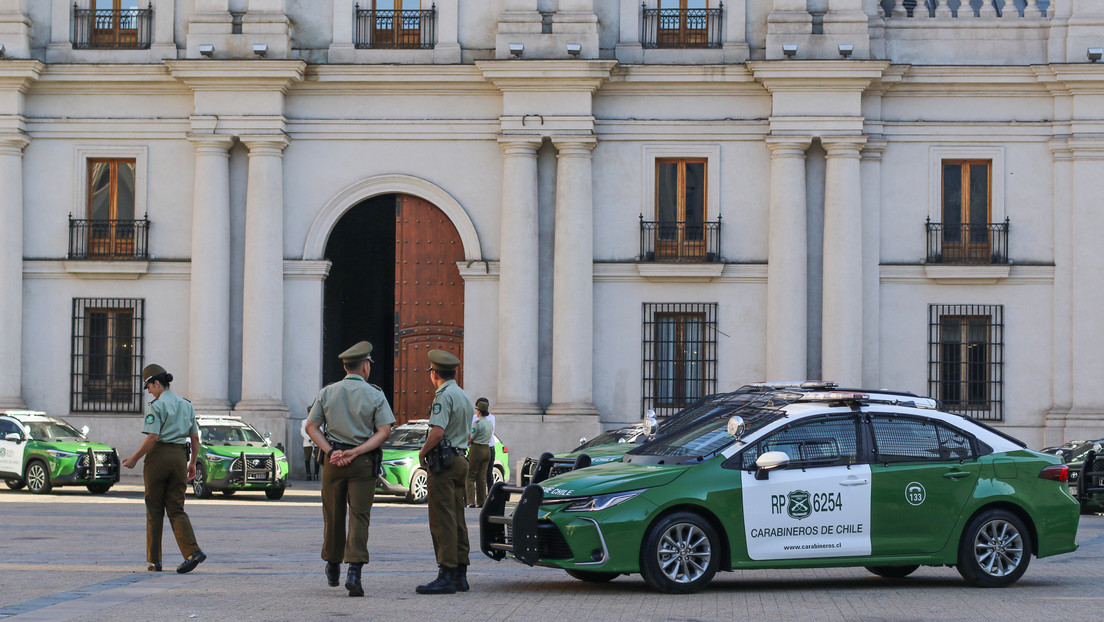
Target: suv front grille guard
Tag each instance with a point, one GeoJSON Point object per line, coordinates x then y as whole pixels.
{"type": "Point", "coordinates": [550, 466]}
{"type": "Point", "coordinates": [1091, 481]}
{"type": "Point", "coordinates": [516, 534]}
{"type": "Point", "coordinates": [254, 469]}
{"type": "Point", "coordinates": [107, 465]}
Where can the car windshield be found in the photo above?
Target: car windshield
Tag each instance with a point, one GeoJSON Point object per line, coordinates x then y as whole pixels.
{"type": "Point", "coordinates": [407, 436]}
{"type": "Point", "coordinates": [708, 433]}
{"type": "Point", "coordinates": [52, 430]}
{"type": "Point", "coordinates": [624, 435]}
{"type": "Point", "coordinates": [229, 435]}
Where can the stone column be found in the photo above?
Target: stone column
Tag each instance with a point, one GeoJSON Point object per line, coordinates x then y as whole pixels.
{"type": "Point", "coordinates": [573, 286]}
{"type": "Point", "coordinates": [263, 289]}
{"type": "Point", "coordinates": [11, 269]}
{"type": "Point", "coordinates": [164, 40]}
{"type": "Point", "coordinates": [520, 271]}
{"type": "Point", "coordinates": [842, 327]}
{"type": "Point", "coordinates": [787, 260]}
{"type": "Point", "coordinates": [447, 49]}
{"type": "Point", "coordinates": [872, 259]}
{"type": "Point", "coordinates": [344, 24]}
{"type": "Point", "coordinates": [209, 335]}
{"type": "Point", "coordinates": [1087, 298]}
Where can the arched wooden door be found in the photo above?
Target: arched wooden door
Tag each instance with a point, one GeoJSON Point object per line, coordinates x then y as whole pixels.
{"type": "Point", "coordinates": [429, 300]}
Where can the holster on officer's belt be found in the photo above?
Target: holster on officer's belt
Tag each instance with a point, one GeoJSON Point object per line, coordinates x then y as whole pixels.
{"type": "Point", "coordinates": [376, 458]}
{"type": "Point", "coordinates": [439, 459]}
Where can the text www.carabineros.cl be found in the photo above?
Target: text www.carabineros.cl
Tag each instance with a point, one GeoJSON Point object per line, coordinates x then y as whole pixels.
{"type": "Point", "coordinates": [804, 547]}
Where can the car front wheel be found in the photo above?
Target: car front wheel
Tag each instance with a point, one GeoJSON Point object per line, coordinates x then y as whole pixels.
{"type": "Point", "coordinates": [98, 489]}
{"type": "Point", "coordinates": [38, 477]}
{"type": "Point", "coordinates": [14, 484]}
{"type": "Point", "coordinates": [199, 484]}
{"type": "Point", "coordinates": [419, 487]}
{"type": "Point", "coordinates": [995, 549]}
{"type": "Point", "coordinates": [275, 493]}
{"type": "Point", "coordinates": [681, 554]}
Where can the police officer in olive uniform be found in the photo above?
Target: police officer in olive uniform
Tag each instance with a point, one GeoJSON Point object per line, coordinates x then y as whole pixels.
{"type": "Point", "coordinates": [479, 455]}
{"type": "Point", "coordinates": [449, 420]}
{"type": "Point", "coordinates": [170, 422]}
{"type": "Point", "coordinates": [358, 420]}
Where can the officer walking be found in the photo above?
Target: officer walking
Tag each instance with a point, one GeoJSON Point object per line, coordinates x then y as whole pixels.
{"type": "Point", "coordinates": [483, 405]}
{"type": "Point", "coordinates": [479, 456]}
{"type": "Point", "coordinates": [358, 420]}
{"type": "Point", "coordinates": [449, 425]}
{"type": "Point", "coordinates": [170, 422]}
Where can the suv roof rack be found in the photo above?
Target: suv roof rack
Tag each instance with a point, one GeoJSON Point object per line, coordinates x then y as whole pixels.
{"type": "Point", "coordinates": [899, 398]}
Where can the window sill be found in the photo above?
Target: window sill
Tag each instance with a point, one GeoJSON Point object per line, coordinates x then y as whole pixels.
{"type": "Point", "coordinates": [679, 272]}
{"type": "Point", "coordinates": [98, 269]}
{"type": "Point", "coordinates": [967, 275]}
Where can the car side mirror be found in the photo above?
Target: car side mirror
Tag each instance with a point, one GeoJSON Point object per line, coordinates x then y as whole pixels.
{"type": "Point", "coordinates": [650, 423]}
{"type": "Point", "coordinates": [14, 437]}
{"type": "Point", "coordinates": [770, 461]}
{"type": "Point", "coordinates": [84, 431]}
{"type": "Point", "coordinates": [268, 437]}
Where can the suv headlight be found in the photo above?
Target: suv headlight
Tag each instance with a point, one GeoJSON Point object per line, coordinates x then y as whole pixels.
{"type": "Point", "coordinates": [217, 458]}
{"type": "Point", "coordinates": [57, 453]}
{"type": "Point", "coordinates": [399, 462]}
{"type": "Point", "coordinates": [281, 458]}
{"type": "Point", "coordinates": [602, 502]}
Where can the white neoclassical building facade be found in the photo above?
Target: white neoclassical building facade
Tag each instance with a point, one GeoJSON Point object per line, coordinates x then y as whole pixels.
{"type": "Point", "coordinates": [602, 206]}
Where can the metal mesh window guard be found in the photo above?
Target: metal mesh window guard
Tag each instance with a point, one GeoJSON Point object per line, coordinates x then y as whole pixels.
{"type": "Point", "coordinates": [113, 29]}
{"type": "Point", "coordinates": [679, 354]}
{"type": "Point", "coordinates": [106, 367]}
{"type": "Point", "coordinates": [396, 29]}
{"type": "Point", "coordinates": [966, 359]}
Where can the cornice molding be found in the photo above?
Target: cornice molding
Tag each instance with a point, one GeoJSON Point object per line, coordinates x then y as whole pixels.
{"type": "Point", "coordinates": [547, 75]}
{"type": "Point", "coordinates": [237, 75]}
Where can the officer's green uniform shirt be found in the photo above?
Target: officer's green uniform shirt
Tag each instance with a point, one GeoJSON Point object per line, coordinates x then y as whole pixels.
{"type": "Point", "coordinates": [171, 418]}
{"type": "Point", "coordinates": [452, 411]}
{"type": "Point", "coordinates": [342, 405]}
{"type": "Point", "coordinates": [481, 432]}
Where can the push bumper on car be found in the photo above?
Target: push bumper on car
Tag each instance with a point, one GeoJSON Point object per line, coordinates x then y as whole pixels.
{"type": "Point", "coordinates": [249, 472]}
{"type": "Point", "coordinates": [76, 471]}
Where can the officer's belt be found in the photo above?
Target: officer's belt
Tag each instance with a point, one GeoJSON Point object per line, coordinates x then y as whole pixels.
{"type": "Point", "coordinates": [342, 446]}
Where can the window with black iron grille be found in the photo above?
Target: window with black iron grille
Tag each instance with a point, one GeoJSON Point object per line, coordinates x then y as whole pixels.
{"type": "Point", "coordinates": [107, 355]}
{"type": "Point", "coordinates": [908, 439]}
{"type": "Point", "coordinates": [679, 354]}
{"type": "Point", "coordinates": [966, 359]}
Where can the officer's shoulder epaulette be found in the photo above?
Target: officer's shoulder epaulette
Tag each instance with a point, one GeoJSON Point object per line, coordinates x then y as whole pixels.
{"type": "Point", "coordinates": [186, 400]}
{"type": "Point", "coordinates": [154, 400]}
{"type": "Point", "coordinates": [376, 387]}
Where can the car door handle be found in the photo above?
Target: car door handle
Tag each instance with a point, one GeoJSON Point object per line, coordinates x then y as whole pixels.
{"type": "Point", "coordinates": [955, 474]}
{"type": "Point", "coordinates": [854, 482]}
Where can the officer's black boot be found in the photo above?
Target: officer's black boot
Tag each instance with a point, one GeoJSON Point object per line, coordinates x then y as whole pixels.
{"type": "Point", "coordinates": [445, 583]}
{"type": "Point", "coordinates": [352, 580]}
{"type": "Point", "coordinates": [461, 577]}
{"type": "Point", "coordinates": [333, 573]}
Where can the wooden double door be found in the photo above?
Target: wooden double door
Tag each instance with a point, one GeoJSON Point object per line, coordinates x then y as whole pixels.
{"type": "Point", "coordinates": [429, 301]}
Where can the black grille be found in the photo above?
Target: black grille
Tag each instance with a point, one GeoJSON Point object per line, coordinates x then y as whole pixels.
{"type": "Point", "coordinates": [255, 462]}
{"type": "Point", "coordinates": [551, 543]}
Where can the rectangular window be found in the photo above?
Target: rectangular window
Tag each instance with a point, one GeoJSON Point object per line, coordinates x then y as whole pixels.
{"type": "Point", "coordinates": [112, 24]}
{"type": "Point", "coordinates": [966, 211]}
{"type": "Point", "coordinates": [679, 354]}
{"type": "Point", "coordinates": [107, 355]}
{"type": "Point", "coordinates": [111, 223]}
{"type": "Point", "coordinates": [680, 208]}
{"type": "Point", "coordinates": [966, 359]}
{"type": "Point", "coordinates": [682, 24]}
{"type": "Point", "coordinates": [395, 24]}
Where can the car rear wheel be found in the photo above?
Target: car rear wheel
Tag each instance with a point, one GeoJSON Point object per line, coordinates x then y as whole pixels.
{"type": "Point", "coordinates": [681, 554]}
{"type": "Point", "coordinates": [419, 487]}
{"type": "Point", "coordinates": [995, 549]}
{"type": "Point", "coordinates": [199, 485]}
{"type": "Point", "coordinates": [275, 493]}
{"type": "Point", "coordinates": [98, 489]}
{"type": "Point", "coordinates": [892, 572]}
{"type": "Point", "coordinates": [14, 484]}
{"type": "Point", "coordinates": [593, 576]}
{"type": "Point", "coordinates": [38, 477]}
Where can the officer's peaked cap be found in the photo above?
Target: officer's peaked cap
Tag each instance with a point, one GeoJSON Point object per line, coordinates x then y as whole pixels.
{"type": "Point", "coordinates": [362, 351]}
{"type": "Point", "coordinates": [443, 361]}
{"type": "Point", "coordinates": [151, 370]}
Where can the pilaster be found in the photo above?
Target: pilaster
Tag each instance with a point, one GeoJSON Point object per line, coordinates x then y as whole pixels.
{"type": "Point", "coordinates": [15, 29]}
{"type": "Point", "coordinates": [11, 268]}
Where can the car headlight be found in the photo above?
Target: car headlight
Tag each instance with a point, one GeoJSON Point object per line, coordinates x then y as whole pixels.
{"type": "Point", "coordinates": [217, 458]}
{"type": "Point", "coordinates": [281, 458]}
{"type": "Point", "coordinates": [57, 453]}
{"type": "Point", "coordinates": [602, 502]}
{"type": "Point", "coordinates": [399, 462]}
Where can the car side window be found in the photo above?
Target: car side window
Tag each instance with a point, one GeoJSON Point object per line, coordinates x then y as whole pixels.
{"type": "Point", "coordinates": [825, 441]}
{"type": "Point", "coordinates": [899, 438]}
{"type": "Point", "coordinates": [7, 427]}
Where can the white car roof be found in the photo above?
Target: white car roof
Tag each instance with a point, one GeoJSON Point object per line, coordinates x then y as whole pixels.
{"type": "Point", "coordinates": [220, 420]}
{"type": "Point", "coordinates": [27, 415]}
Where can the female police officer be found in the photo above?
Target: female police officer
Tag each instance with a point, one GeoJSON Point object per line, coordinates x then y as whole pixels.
{"type": "Point", "coordinates": [170, 422]}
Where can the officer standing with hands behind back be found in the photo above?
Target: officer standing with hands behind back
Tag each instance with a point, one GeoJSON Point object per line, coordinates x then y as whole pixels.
{"type": "Point", "coordinates": [358, 420]}
{"type": "Point", "coordinates": [443, 450]}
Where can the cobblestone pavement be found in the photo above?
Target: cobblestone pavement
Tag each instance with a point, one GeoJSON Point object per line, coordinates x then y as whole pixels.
{"type": "Point", "coordinates": [74, 556]}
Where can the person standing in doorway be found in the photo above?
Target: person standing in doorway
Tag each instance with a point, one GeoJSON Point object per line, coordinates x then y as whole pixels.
{"type": "Point", "coordinates": [479, 455]}
{"type": "Point", "coordinates": [449, 427]}
{"type": "Point", "coordinates": [358, 420]}
{"type": "Point", "coordinates": [483, 405]}
{"type": "Point", "coordinates": [169, 424]}
{"type": "Point", "coordinates": [309, 450]}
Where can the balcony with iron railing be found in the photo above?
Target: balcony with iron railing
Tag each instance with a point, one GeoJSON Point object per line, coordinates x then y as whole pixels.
{"type": "Point", "coordinates": [395, 29]}
{"type": "Point", "coordinates": [680, 242]}
{"type": "Point", "coordinates": [108, 240]}
{"type": "Point", "coordinates": [112, 29]}
{"type": "Point", "coordinates": [968, 244]}
{"type": "Point", "coordinates": [681, 28]}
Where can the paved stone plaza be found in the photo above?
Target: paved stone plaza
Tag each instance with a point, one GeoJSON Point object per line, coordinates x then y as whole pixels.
{"type": "Point", "coordinates": [74, 556]}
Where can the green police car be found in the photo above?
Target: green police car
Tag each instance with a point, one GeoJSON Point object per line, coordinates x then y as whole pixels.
{"type": "Point", "coordinates": [42, 452]}
{"type": "Point", "coordinates": [402, 474]}
{"type": "Point", "coordinates": [609, 446]}
{"type": "Point", "coordinates": [797, 479]}
{"type": "Point", "coordinates": [234, 456]}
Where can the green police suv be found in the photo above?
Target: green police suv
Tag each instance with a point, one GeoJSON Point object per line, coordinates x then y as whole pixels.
{"type": "Point", "coordinates": [403, 476]}
{"type": "Point", "coordinates": [234, 456]}
{"type": "Point", "coordinates": [608, 446]}
{"type": "Point", "coordinates": [788, 478]}
{"type": "Point", "coordinates": [41, 452]}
